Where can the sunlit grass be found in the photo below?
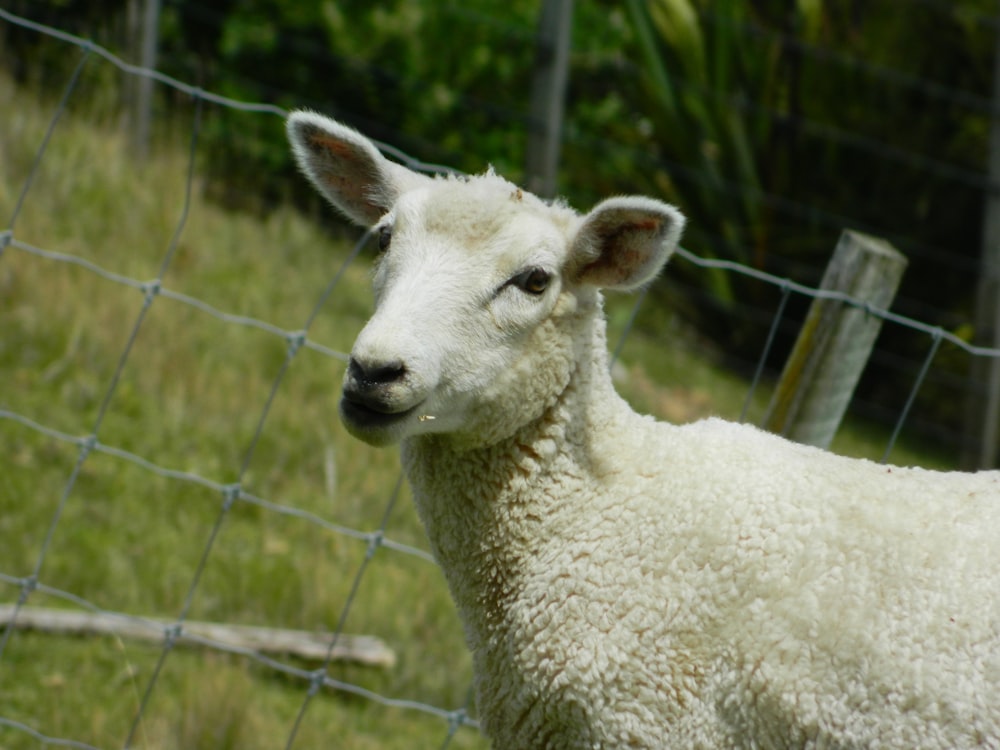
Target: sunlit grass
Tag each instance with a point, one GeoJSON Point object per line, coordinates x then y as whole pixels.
{"type": "Point", "coordinates": [190, 398]}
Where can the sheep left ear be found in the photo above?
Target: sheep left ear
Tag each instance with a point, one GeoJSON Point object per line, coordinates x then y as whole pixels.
{"type": "Point", "coordinates": [623, 243]}
{"type": "Point", "coordinates": [347, 168]}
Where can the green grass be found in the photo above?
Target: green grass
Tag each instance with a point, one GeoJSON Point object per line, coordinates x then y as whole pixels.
{"type": "Point", "coordinates": [189, 399]}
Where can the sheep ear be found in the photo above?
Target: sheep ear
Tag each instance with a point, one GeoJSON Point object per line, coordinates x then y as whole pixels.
{"type": "Point", "coordinates": [624, 242]}
{"type": "Point", "coordinates": [347, 168]}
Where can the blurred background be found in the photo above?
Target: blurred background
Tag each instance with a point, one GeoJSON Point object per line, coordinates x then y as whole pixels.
{"type": "Point", "coordinates": [773, 124]}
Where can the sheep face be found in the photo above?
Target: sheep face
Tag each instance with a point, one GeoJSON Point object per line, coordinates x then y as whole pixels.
{"type": "Point", "coordinates": [482, 291]}
{"type": "Point", "coordinates": [469, 296]}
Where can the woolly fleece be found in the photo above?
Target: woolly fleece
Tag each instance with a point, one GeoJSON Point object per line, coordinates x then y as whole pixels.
{"type": "Point", "coordinates": [627, 583]}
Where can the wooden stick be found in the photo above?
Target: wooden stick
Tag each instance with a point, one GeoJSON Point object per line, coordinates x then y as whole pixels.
{"type": "Point", "coordinates": [361, 649]}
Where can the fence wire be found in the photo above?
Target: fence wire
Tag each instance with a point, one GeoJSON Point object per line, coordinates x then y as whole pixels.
{"type": "Point", "coordinates": [232, 494]}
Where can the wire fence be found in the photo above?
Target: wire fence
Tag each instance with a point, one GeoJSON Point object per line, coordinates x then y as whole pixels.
{"type": "Point", "coordinates": [927, 184]}
{"type": "Point", "coordinates": [22, 587]}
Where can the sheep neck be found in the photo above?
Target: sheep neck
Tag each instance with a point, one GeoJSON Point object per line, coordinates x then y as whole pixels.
{"type": "Point", "coordinates": [486, 510]}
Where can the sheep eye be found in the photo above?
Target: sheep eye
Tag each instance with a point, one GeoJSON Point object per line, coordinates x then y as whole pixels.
{"type": "Point", "coordinates": [533, 281]}
{"type": "Point", "coordinates": [384, 238]}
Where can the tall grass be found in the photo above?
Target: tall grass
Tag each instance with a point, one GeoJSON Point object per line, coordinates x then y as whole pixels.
{"type": "Point", "coordinates": [190, 397]}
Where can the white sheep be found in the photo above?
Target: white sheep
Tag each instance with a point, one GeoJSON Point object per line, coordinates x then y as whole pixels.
{"type": "Point", "coordinates": [625, 582]}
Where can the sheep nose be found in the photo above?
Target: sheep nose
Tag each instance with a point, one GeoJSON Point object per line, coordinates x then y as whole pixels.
{"type": "Point", "coordinates": [374, 374]}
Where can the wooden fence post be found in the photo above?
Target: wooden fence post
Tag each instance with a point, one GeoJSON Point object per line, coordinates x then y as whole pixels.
{"type": "Point", "coordinates": [835, 342]}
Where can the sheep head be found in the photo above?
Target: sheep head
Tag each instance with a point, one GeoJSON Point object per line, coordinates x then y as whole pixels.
{"type": "Point", "coordinates": [482, 290]}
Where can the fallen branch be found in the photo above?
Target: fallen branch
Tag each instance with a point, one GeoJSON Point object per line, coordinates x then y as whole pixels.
{"type": "Point", "coordinates": [361, 649]}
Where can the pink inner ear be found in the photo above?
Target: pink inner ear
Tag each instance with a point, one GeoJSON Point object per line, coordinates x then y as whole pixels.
{"type": "Point", "coordinates": [623, 251]}
{"type": "Point", "coordinates": [652, 225]}
{"type": "Point", "coordinates": [338, 147]}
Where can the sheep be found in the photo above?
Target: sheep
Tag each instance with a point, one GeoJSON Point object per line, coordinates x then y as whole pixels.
{"type": "Point", "coordinates": [625, 582]}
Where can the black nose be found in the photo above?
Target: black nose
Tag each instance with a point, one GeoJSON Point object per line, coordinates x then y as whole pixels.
{"type": "Point", "coordinates": [374, 374]}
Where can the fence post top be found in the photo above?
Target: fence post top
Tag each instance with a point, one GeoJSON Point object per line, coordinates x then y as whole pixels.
{"type": "Point", "coordinates": [873, 245]}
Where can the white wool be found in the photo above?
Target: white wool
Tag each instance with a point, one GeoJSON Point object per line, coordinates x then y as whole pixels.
{"type": "Point", "coordinates": [644, 585]}
{"type": "Point", "coordinates": [629, 583]}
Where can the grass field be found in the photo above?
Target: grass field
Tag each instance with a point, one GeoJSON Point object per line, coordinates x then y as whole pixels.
{"type": "Point", "coordinates": [190, 396]}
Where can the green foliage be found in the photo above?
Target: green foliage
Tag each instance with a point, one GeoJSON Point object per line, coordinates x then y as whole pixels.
{"type": "Point", "coordinates": [389, 68]}
{"type": "Point", "coordinates": [774, 125]}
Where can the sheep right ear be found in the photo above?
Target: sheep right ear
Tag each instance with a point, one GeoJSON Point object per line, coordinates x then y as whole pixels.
{"type": "Point", "coordinates": [347, 168]}
{"type": "Point", "coordinates": [624, 242]}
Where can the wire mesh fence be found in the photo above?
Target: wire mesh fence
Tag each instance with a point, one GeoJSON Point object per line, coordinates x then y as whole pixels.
{"type": "Point", "coordinates": [74, 461]}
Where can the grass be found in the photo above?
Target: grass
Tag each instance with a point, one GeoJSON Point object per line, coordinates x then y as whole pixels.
{"type": "Point", "coordinates": [190, 397]}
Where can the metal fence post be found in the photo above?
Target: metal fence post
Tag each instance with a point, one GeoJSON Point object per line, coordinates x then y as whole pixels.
{"type": "Point", "coordinates": [548, 96]}
{"type": "Point", "coordinates": [147, 21]}
{"type": "Point", "coordinates": [835, 342]}
{"type": "Point", "coordinates": [982, 400]}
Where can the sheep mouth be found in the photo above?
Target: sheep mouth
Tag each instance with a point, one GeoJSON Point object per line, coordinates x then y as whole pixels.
{"type": "Point", "coordinates": [370, 413]}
